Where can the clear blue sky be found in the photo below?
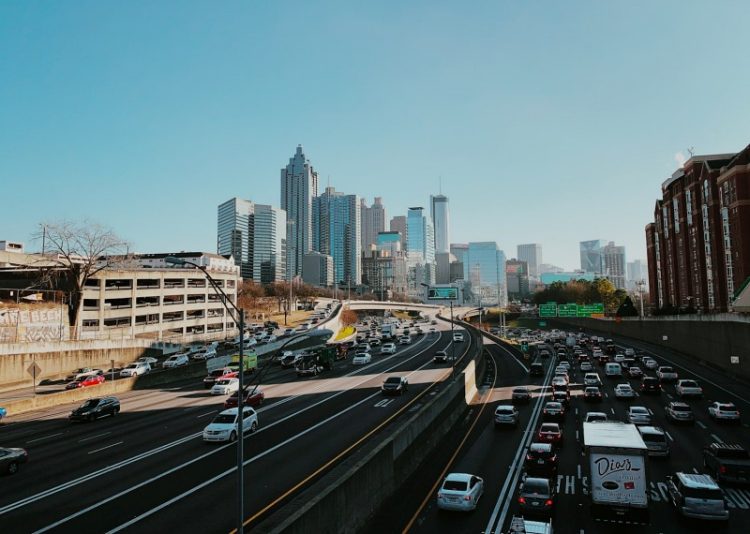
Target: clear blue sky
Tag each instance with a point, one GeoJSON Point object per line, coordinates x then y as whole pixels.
{"type": "Point", "coordinates": [549, 122]}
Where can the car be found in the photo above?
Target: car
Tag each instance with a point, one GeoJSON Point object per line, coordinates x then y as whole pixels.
{"type": "Point", "coordinates": [697, 496]}
{"type": "Point", "coordinates": [225, 425]}
{"type": "Point", "coordinates": [650, 364]}
{"type": "Point", "coordinates": [559, 382]}
{"type": "Point", "coordinates": [562, 374]}
{"type": "Point", "coordinates": [85, 381]}
{"type": "Point", "coordinates": [148, 359]}
{"type": "Point", "coordinates": [254, 396]}
{"type": "Point", "coordinates": [634, 371]}
{"type": "Point", "coordinates": [679, 412]}
{"type": "Point", "coordinates": [506, 414]}
{"type": "Point", "coordinates": [655, 440]}
{"type": "Point", "coordinates": [666, 373]}
{"type": "Point", "coordinates": [135, 369]}
{"type": "Point", "coordinates": [724, 411]}
{"type": "Point", "coordinates": [550, 433]}
{"type": "Point", "coordinates": [520, 395]}
{"type": "Point", "coordinates": [362, 358]}
{"type": "Point", "coordinates": [688, 388]}
{"type": "Point", "coordinates": [592, 394]}
{"type": "Point", "coordinates": [288, 332]}
{"type": "Point", "coordinates": [225, 386]}
{"type": "Point", "coordinates": [215, 374]}
{"type": "Point", "coordinates": [388, 348]}
{"type": "Point", "coordinates": [650, 384]}
{"type": "Point", "coordinates": [624, 391]}
{"type": "Point", "coordinates": [433, 330]}
{"type": "Point", "coordinates": [440, 356]}
{"type": "Point", "coordinates": [176, 360]}
{"type": "Point", "coordinates": [374, 342]}
{"type": "Point", "coordinates": [290, 359]}
{"type": "Point", "coordinates": [595, 417]}
{"type": "Point", "coordinates": [95, 408]}
{"type": "Point", "coordinates": [629, 352]}
{"type": "Point", "coordinates": [586, 367]}
{"type": "Point", "coordinates": [404, 340]}
{"type": "Point", "coordinates": [729, 461]}
{"type": "Point", "coordinates": [639, 415]}
{"type": "Point", "coordinates": [536, 369]}
{"type": "Point", "coordinates": [612, 370]}
{"type": "Point", "coordinates": [541, 460]}
{"type": "Point", "coordinates": [11, 458]}
{"type": "Point", "coordinates": [271, 338]}
{"type": "Point", "coordinates": [553, 411]}
{"type": "Point", "coordinates": [458, 337]}
{"type": "Point", "coordinates": [364, 347]}
{"type": "Point", "coordinates": [395, 385]}
{"type": "Point", "coordinates": [536, 496]}
{"type": "Point", "coordinates": [563, 365]}
{"type": "Point", "coordinates": [562, 396]}
{"type": "Point", "coordinates": [619, 358]}
{"type": "Point", "coordinates": [82, 371]}
{"type": "Point", "coordinates": [210, 352]}
{"type": "Point", "coordinates": [460, 492]}
{"type": "Point", "coordinates": [592, 379]}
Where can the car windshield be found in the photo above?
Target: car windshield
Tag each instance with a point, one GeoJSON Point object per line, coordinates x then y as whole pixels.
{"type": "Point", "coordinates": [727, 407]}
{"type": "Point", "coordinates": [91, 403]}
{"type": "Point", "coordinates": [549, 428]}
{"type": "Point", "coordinates": [131, 366]}
{"type": "Point", "coordinates": [224, 419]}
{"type": "Point", "coordinates": [454, 485]}
{"type": "Point", "coordinates": [654, 437]}
{"type": "Point", "coordinates": [223, 382]}
{"type": "Point", "coordinates": [393, 380]}
{"type": "Point", "coordinates": [681, 408]}
{"type": "Point", "coordinates": [638, 410]}
{"type": "Point", "coordinates": [666, 369]}
{"type": "Point", "coordinates": [538, 487]}
{"type": "Point", "coordinates": [703, 493]}
{"type": "Point", "coordinates": [689, 383]}
{"type": "Point", "coordinates": [554, 405]}
{"type": "Point", "coordinates": [520, 390]}
{"type": "Point", "coordinates": [650, 380]}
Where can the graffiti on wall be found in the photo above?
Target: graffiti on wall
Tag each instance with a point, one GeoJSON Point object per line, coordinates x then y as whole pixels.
{"type": "Point", "coordinates": [32, 324]}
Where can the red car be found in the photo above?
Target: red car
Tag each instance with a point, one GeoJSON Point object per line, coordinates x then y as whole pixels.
{"type": "Point", "coordinates": [550, 433]}
{"type": "Point", "coordinates": [92, 380]}
{"type": "Point", "coordinates": [252, 398]}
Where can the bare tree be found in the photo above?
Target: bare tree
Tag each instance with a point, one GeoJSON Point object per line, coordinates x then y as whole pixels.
{"type": "Point", "coordinates": [74, 252]}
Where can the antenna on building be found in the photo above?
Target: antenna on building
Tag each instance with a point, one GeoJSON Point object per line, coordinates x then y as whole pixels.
{"type": "Point", "coordinates": [691, 151]}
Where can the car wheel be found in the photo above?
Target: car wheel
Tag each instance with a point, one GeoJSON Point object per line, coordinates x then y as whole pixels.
{"type": "Point", "coordinates": [233, 436]}
{"type": "Point", "coordinates": [253, 427]}
{"type": "Point", "coordinates": [115, 412]}
{"type": "Point", "coordinates": [12, 468]}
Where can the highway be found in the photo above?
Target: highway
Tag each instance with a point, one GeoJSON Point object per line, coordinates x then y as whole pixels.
{"type": "Point", "coordinates": [148, 469]}
{"type": "Point", "coordinates": [496, 455]}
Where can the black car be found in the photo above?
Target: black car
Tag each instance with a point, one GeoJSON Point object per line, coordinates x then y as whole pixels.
{"type": "Point", "coordinates": [537, 496]}
{"type": "Point", "coordinates": [541, 460]}
{"type": "Point", "coordinates": [96, 408]}
{"type": "Point", "coordinates": [592, 394]}
{"type": "Point", "coordinates": [521, 395]}
{"type": "Point", "coordinates": [536, 369]}
{"type": "Point", "coordinates": [11, 458]}
{"type": "Point", "coordinates": [395, 385]}
{"type": "Point", "coordinates": [271, 324]}
{"type": "Point", "coordinates": [561, 396]}
{"type": "Point", "coordinates": [650, 384]}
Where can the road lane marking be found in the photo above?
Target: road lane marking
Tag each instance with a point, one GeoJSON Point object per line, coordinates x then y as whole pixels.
{"type": "Point", "coordinates": [717, 438]}
{"type": "Point", "coordinates": [578, 471]}
{"type": "Point", "coordinates": [695, 470]}
{"type": "Point", "coordinates": [107, 447]}
{"type": "Point", "coordinates": [669, 435]}
{"type": "Point", "coordinates": [613, 411]}
{"type": "Point", "coordinates": [669, 395]}
{"type": "Point", "coordinates": [207, 413]}
{"type": "Point", "coordinates": [94, 437]}
{"type": "Point", "coordinates": [701, 425]}
{"type": "Point", "coordinates": [45, 437]}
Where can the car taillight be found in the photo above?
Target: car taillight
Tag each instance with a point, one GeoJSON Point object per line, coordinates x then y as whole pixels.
{"type": "Point", "coordinates": [467, 497]}
{"type": "Point", "coordinates": [548, 502]}
{"type": "Point", "coordinates": [522, 500]}
{"type": "Point", "coordinates": [723, 469]}
{"type": "Point", "coordinates": [440, 495]}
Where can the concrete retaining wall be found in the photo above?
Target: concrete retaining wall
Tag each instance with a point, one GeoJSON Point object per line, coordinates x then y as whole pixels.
{"type": "Point", "coordinates": [705, 340]}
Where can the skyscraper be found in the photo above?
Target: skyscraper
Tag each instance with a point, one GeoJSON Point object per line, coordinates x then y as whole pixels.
{"type": "Point", "coordinates": [420, 237]}
{"type": "Point", "coordinates": [637, 271]}
{"type": "Point", "coordinates": [398, 224]}
{"type": "Point", "coordinates": [531, 253]}
{"type": "Point", "coordinates": [440, 222]}
{"type": "Point", "coordinates": [269, 255]}
{"type": "Point", "coordinates": [373, 222]}
{"type": "Point", "coordinates": [337, 232]}
{"type": "Point", "coordinates": [591, 256]}
{"type": "Point", "coordinates": [613, 264]}
{"type": "Point", "coordinates": [299, 185]}
{"type": "Point", "coordinates": [484, 268]}
{"type": "Point", "coordinates": [235, 233]}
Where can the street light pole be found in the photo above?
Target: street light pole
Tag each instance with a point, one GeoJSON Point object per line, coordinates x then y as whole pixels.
{"type": "Point", "coordinates": [240, 375]}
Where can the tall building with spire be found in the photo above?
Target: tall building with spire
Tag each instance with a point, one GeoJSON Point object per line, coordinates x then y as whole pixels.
{"type": "Point", "coordinates": [440, 222]}
{"type": "Point", "coordinates": [373, 222]}
{"type": "Point", "coordinates": [299, 185]}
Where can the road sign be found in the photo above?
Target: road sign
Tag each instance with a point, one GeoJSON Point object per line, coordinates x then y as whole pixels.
{"type": "Point", "coordinates": [589, 310]}
{"type": "Point", "coordinates": [34, 370]}
{"type": "Point", "coordinates": [542, 323]}
{"type": "Point", "coordinates": [734, 359]}
{"type": "Point", "coordinates": [442, 293]}
{"type": "Point", "coordinates": [567, 310]}
{"type": "Point", "coordinates": [548, 310]}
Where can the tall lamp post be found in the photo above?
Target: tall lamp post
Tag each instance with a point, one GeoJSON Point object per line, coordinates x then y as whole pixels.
{"type": "Point", "coordinates": [240, 373]}
{"type": "Point", "coordinates": [453, 341]}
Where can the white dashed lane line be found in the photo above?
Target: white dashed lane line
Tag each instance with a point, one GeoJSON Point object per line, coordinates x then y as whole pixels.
{"type": "Point", "coordinates": [107, 447]}
{"type": "Point", "coordinates": [94, 437]}
{"type": "Point", "coordinates": [45, 437]}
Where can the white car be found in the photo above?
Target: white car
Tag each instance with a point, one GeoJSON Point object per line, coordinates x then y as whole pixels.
{"type": "Point", "coordinates": [205, 354]}
{"type": "Point", "coordinates": [619, 358]}
{"type": "Point", "coordinates": [388, 348]}
{"type": "Point", "coordinates": [559, 382]}
{"type": "Point", "coordinates": [225, 386]}
{"type": "Point", "coordinates": [147, 359]}
{"type": "Point", "coordinates": [362, 358]}
{"type": "Point", "coordinates": [629, 352]}
{"type": "Point", "coordinates": [404, 340]}
{"type": "Point", "coordinates": [586, 367]}
{"type": "Point", "coordinates": [224, 425]}
{"type": "Point", "coordinates": [635, 372]}
{"type": "Point", "coordinates": [176, 360]}
{"type": "Point", "coordinates": [270, 339]}
{"type": "Point", "coordinates": [650, 363]}
{"type": "Point", "coordinates": [592, 379]}
{"type": "Point", "coordinates": [666, 374]}
{"type": "Point", "coordinates": [688, 388]}
{"type": "Point", "coordinates": [595, 417]}
{"type": "Point", "coordinates": [724, 411]}
{"type": "Point", "coordinates": [639, 415]}
{"type": "Point", "coordinates": [565, 364]}
{"type": "Point", "coordinates": [135, 369]}
{"type": "Point", "coordinates": [458, 337]}
{"type": "Point", "coordinates": [624, 391]}
{"type": "Point", "coordinates": [460, 491]}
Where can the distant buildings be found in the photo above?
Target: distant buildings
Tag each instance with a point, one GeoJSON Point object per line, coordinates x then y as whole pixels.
{"type": "Point", "coordinates": [552, 277]}
{"type": "Point", "coordinates": [698, 246]}
{"type": "Point", "coordinates": [420, 250]}
{"type": "Point", "coordinates": [317, 269]}
{"type": "Point", "coordinates": [517, 278]}
{"type": "Point", "coordinates": [605, 260]}
{"type": "Point", "coordinates": [531, 253]}
{"type": "Point", "coordinates": [235, 233]}
{"type": "Point", "coordinates": [398, 224]}
{"type": "Point", "coordinates": [637, 270]}
{"type": "Point", "coordinates": [484, 268]}
{"type": "Point", "coordinates": [373, 221]}
{"type": "Point", "coordinates": [440, 222]}
{"type": "Point", "coordinates": [299, 185]}
{"type": "Point", "coordinates": [269, 244]}
{"type": "Point", "coordinates": [591, 256]}
{"type": "Point", "coordinates": [337, 233]}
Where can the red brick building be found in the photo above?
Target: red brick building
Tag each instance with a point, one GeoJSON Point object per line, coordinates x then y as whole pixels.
{"type": "Point", "coordinates": [698, 246]}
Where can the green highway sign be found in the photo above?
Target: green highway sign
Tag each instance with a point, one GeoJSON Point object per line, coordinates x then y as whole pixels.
{"type": "Point", "coordinates": [567, 310]}
{"type": "Point", "coordinates": [587, 310]}
{"type": "Point", "coordinates": [442, 293]}
{"type": "Point", "coordinates": [548, 310]}
{"type": "Point", "coordinates": [542, 323]}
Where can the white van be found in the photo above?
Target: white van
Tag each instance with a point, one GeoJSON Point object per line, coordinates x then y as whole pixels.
{"type": "Point", "coordinates": [613, 370]}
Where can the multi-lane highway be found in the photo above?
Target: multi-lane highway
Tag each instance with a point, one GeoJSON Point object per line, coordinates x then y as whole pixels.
{"type": "Point", "coordinates": [147, 469]}
{"type": "Point", "coordinates": [497, 455]}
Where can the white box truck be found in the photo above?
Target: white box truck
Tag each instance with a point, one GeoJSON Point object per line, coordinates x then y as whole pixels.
{"type": "Point", "coordinates": [616, 463]}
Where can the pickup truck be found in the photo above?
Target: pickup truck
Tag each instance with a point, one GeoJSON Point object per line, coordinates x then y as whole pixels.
{"type": "Point", "coordinates": [728, 462]}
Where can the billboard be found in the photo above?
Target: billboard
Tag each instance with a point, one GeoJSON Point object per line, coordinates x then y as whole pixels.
{"type": "Point", "coordinates": [442, 293]}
